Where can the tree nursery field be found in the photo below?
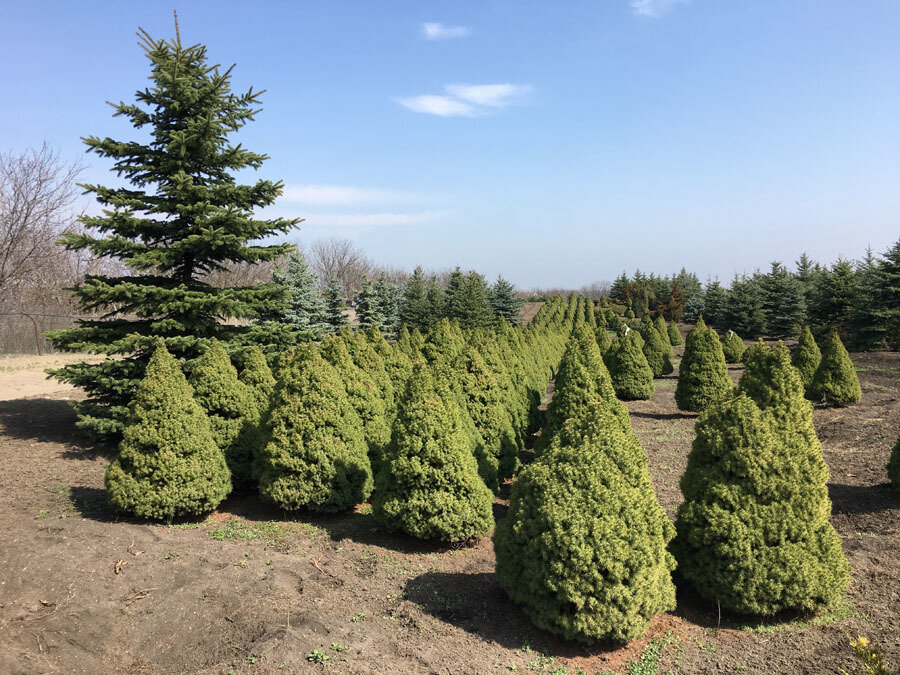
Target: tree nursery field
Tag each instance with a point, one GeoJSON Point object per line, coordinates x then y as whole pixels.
{"type": "Point", "coordinates": [253, 589]}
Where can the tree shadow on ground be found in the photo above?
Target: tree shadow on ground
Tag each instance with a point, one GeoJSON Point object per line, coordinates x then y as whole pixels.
{"type": "Point", "coordinates": [861, 499]}
{"type": "Point", "coordinates": [93, 504]}
{"type": "Point", "coordinates": [474, 601]}
{"type": "Point", "coordinates": [663, 416]}
{"type": "Point", "coordinates": [49, 420]}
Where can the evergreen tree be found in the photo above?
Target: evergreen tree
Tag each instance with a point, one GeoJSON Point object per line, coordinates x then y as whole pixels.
{"type": "Point", "coordinates": [632, 376]}
{"type": "Point", "coordinates": [677, 300]}
{"type": "Point", "coordinates": [660, 324]}
{"type": "Point", "coordinates": [429, 486]}
{"type": "Point", "coordinates": [316, 455]}
{"type": "Point", "coordinates": [835, 380]}
{"type": "Point", "coordinates": [877, 312]}
{"type": "Point", "coordinates": [887, 300]}
{"type": "Point", "coordinates": [257, 376]}
{"type": "Point", "coordinates": [655, 350]}
{"type": "Point", "coordinates": [806, 357]}
{"type": "Point", "coordinates": [471, 304]}
{"type": "Point", "coordinates": [183, 215]}
{"type": "Point", "coordinates": [334, 316]}
{"type": "Point", "coordinates": [753, 533]}
{"type": "Point", "coordinates": [733, 347]}
{"type": "Point", "coordinates": [583, 547]}
{"type": "Point", "coordinates": [619, 289]}
{"type": "Point", "coordinates": [389, 298]}
{"type": "Point", "coordinates": [306, 308]}
{"type": "Point", "coordinates": [603, 341]}
{"type": "Point", "coordinates": [232, 409]}
{"type": "Point", "coordinates": [506, 304]}
{"type": "Point", "coordinates": [437, 303]}
{"type": "Point", "coordinates": [415, 309]}
{"type": "Point", "coordinates": [168, 463]}
{"type": "Point", "coordinates": [369, 311]}
{"type": "Point", "coordinates": [834, 298]}
{"type": "Point", "coordinates": [744, 311]}
{"type": "Point", "coordinates": [363, 395]}
{"type": "Point", "coordinates": [453, 286]}
{"type": "Point", "coordinates": [894, 466]}
{"type": "Point", "coordinates": [674, 334]}
{"type": "Point", "coordinates": [715, 304]}
{"type": "Point", "coordinates": [693, 309]}
{"type": "Point", "coordinates": [396, 362]}
{"type": "Point", "coordinates": [702, 375]}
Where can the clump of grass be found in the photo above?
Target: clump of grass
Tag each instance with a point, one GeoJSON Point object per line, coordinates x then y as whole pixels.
{"type": "Point", "coordinates": [841, 611]}
{"type": "Point", "coordinates": [238, 529]}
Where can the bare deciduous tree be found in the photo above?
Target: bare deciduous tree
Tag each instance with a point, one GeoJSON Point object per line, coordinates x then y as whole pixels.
{"type": "Point", "coordinates": [340, 259]}
{"type": "Point", "coordinates": [37, 199]}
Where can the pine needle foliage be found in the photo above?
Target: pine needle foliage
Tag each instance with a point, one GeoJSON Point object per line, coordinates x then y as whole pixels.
{"type": "Point", "coordinates": [182, 216]}
{"type": "Point", "coordinates": [657, 351]}
{"type": "Point", "coordinates": [835, 381]}
{"type": "Point", "coordinates": [894, 466]}
{"type": "Point", "coordinates": [316, 455]}
{"type": "Point", "coordinates": [702, 375]}
{"type": "Point", "coordinates": [232, 409]}
{"type": "Point", "coordinates": [583, 546]}
{"type": "Point", "coordinates": [806, 357]}
{"type": "Point", "coordinates": [429, 485]}
{"type": "Point", "coordinates": [168, 463]}
{"type": "Point", "coordinates": [674, 334]}
{"type": "Point", "coordinates": [753, 533]}
{"type": "Point", "coordinates": [603, 340]}
{"type": "Point", "coordinates": [733, 347]}
{"type": "Point", "coordinates": [632, 376]}
{"type": "Point", "coordinates": [259, 378]}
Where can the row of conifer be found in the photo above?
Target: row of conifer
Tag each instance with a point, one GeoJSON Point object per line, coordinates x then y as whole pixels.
{"type": "Point", "coordinates": [339, 418]}
{"type": "Point", "coordinates": [587, 549]}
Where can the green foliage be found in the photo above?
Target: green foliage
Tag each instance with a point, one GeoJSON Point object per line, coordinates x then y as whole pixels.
{"type": "Point", "coordinates": [258, 377]}
{"type": "Point", "coordinates": [415, 310]}
{"type": "Point", "coordinates": [663, 330]}
{"type": "Point", "coordinates": [632, 376]}
{"type": "Point", "coordinates": [369, 310]}
{"type": "Point", "coordinates": [657, 352]}
{"type": "Point", "coordinates": [179, 215]}
{"type": "Point", "coordinates": [603, 341]}
{"type": "Point", "coordinates": [806, 357]}
{"type": "Point", "coordinates": [894, 466]}
{"type": "Point", "coordinates": [363, 395]}
{"type": "Point", "coordinates": [471, 302]}
{"type": "Point", "coordinates": [753, 533]}
{"type": "Point", "coordinates": [168, 463]}
{"type": "Point", "coordinates": [334, 317]}
{"type": "Point", "coordinates": [835, 380]}
{"type": "Point", "coordinates": [674, 334]}
{"type": "Point", "coordinates": [232, 409]}
{"type": "Point", "coordinates": [583, 546]}
{"type": "Point", "coordinates": [702, 375]}
{"type": "Point", "coordinates": [316, 455]}
{"type": "Point", "coordinates": [396, 363]}
{"type": "Point", "coordinates": [429, 486]}
{"type": "Point", "coordinates": [306, 308]}
{"type": "Point", "coordinates": [504, 301]}
{"type": "Point", "coordinates": [733, 347]}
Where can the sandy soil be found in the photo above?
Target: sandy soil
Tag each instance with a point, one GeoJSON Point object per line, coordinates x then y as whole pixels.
{"type": "Point", "coordinates": [256, 590]}
{"type": "Point", "coordinates": [25, 376]}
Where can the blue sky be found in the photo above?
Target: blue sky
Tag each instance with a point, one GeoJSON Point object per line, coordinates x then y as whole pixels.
{"type": "Point", "coordinates": [557, 143]}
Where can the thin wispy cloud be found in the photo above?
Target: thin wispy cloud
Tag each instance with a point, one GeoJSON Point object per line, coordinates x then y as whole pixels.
{"type": "Point", "coordinates": [384, 219]}
{"type": "Point", "coordinates": [438, 31]}
{"type": "Point", "coordinates": [490, 95]}
{"type": "Point", "coordinates": [467, 100]}
{"type": "Point", "coordinates": [443, 106]}
{"type": "Point", "coordinates": [654, 9]}
{"type": "Point", "coordinates": [343, 195]}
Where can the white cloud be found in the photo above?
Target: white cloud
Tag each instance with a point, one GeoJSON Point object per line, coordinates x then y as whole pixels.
{"type": "Point", "coordinates": [466, 100]}
{"type": "Point", "coordinates": [438, 31]}
{"type": "Point", "coordinates": [443, 106]}
{"type": "Point", "coordinates": [345, 195]}
{"type": "Point", "coordinates": [490, 95]}
{"type": "Point", "coordinates": [654, 8]}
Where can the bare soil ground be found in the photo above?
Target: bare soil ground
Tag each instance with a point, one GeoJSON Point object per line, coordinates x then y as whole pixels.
{"type": "Point", "coordinates": [254, 590]}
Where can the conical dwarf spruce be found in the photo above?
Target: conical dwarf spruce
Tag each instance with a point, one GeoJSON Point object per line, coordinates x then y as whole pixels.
{"type": "Point", "coordinates": [583, 546]}
{"type": "Point", "coordinates": [733, 347]}
{"type": "Point", "coordinates": [168, 463]}
{"type": "Point", "coordinates": [806, 357]}
{"type": "Point", "coordinates": [702, 375]}
{"type": "Point", "coordinates": [835, 381]}
{"type": "Point", "coordinates": [429, 485]}
{"type": "Point", "coordinates": [632, 376]}
{"type": "Point", "coordinates": [316, 455]}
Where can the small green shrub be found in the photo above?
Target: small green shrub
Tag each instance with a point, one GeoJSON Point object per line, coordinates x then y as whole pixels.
{"type": "Point", "coordinates": [733, 347]}
{"type": "Point", "coordinates": [168, 463]}
{"type": "Point", "coordinates": [632, 376]}
{"type": "Point", "coordinates": [806, 357]}
{"type": "Point", "coordinates": [674, 334]}
{"type": "Point", "coordinates": [583, 546]}
{"type": "Point", "coordinates": [835, 381]}
{"type": "Point", "coordinates": [657, 351]}
{"type": "Point", "coordinates": [702, 375]}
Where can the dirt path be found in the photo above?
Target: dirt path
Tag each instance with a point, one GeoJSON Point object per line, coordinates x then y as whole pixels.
{"type": "Point", "coordinates": [255, 590]}
{"type": "Point", "coordinates": [25, 376]}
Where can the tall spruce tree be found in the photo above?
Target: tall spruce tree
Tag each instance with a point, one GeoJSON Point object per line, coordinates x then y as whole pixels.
{"type": "Point", "coordinates": [306, 308]}
{"type": "Point", "coordinates": [183, 215]}
{"type": "Point", "coordinates": [471, 304]}
{"type": "Point", "coordinates": [334, 317]}
{"type": "Point", "coordinates": [389, 297]}
{"type": "Point", "coordinates": [414, 310]}
{"type": "Point", "coordinates": [437, 304]}
{"type": "Point", "coordinates": [369, 311]}
{"type": "Point", "coordinates": [503, 299]}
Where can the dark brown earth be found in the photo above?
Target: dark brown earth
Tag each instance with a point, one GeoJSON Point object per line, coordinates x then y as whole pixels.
{"type": "Point", "coordinates": [255, 590]}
